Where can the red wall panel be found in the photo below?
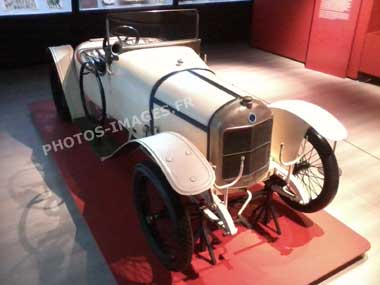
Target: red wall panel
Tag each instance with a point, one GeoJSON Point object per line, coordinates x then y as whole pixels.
{"type": "Point", "coordinates": [370, 61]}
{"type": "Point", "coordinates": [332, 34]}
{"type": "Point", "coordinates": [374, 25]}
{"type": "Point", "coordinates": [282, 26]}
{"type": "Point", "coordinates": [360, 36]}
{"type": "Point", "coordinates": [339, 37]}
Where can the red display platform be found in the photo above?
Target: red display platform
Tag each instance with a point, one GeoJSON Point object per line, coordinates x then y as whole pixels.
{"type": "Point", "coordinates": [311, 246]}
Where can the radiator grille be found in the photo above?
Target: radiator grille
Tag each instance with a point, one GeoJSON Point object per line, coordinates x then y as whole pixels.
{"type": "Point", "coordinates": [251, 142]}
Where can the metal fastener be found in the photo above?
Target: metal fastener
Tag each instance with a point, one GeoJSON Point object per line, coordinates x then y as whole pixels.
{"type": "Point", "coordinates": [193, 178]}
{"type": "Point", "coordinates": [179, 62]}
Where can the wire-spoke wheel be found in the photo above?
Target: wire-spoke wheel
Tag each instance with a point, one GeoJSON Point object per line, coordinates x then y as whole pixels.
{"type": "Point", "coordinates": [318, 172]}
{"type": "Point", "coordinates": [164, 220]}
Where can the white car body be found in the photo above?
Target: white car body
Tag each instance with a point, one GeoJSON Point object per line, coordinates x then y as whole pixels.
{"type": "Point", "coordinates": [181, 147]}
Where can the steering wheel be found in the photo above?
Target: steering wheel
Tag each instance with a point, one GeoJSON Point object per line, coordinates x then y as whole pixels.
{"type": "Point", "coordinates": [113, 50]}
{"type": "Point", "coordinates": [123, 31]}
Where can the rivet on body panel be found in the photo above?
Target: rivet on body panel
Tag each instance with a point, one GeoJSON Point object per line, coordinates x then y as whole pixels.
{"type": "Point", "coordinates": [179, 62]}
{"type": "Point", "coordinates": [193, 178]}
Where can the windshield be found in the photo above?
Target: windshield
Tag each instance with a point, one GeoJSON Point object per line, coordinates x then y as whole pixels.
{"type": "Point", "coordinates": [153, 26]}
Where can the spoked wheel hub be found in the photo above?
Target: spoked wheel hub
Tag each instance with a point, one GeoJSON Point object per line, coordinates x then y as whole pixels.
{"type": "Point", "coordinates": [303, 165]}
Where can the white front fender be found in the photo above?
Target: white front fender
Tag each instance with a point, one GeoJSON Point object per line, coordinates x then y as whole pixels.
{"type": "Point", "coordinates": [63, 60]}
{"type": "Point", "coordinates": [185, 167]}
{"type": "Point", "coordinates": [292, 118]}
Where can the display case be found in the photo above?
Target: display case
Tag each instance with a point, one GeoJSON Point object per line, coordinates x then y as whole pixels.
{"type": "Point", "coordinates": [74, 21]}
{"type": "Point", "coordinates": [88, 5]}
{"type": "Point", "coordinates": [92, 5]}
{"type": "Point", "coordinates": [32, 7]}
{"type": "Point", "coordinates": [194, 2]}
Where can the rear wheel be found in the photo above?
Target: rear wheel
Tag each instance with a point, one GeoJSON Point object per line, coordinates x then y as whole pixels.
{"type": "Point", "coordinates": [318, 173]}
{"type": "Point", "coordinates": [58, 94]}
{"type": "Point", "coordinates": [164, 220]}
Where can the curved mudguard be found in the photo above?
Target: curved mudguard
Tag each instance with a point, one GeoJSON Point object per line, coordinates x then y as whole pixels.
{"type": "Point", "coordinates": [292, 119]}
{"type": "Point", "coordinates": [63, 59]}
{"type": "Point", "coordinates": [184, 166]}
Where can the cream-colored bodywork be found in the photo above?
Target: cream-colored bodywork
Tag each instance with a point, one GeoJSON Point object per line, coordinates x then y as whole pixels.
{"type": "Point", "coordinates": [129, 87]}
{"type": "Point", "coordinates": [128, 90]}
{"type": "Point", "coordinates": [173, 152]}
{"type": "Point", "coordinates": [63, 58]}
{"type": "Point", "coordinates": [292, 118]}
{"type": "Point", "coordinates": [181, 144]}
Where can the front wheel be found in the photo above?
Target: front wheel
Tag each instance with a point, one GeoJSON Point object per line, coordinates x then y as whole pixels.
{"type": "Point", "coordinates": [318, 173]}
{"type": "Point", "coordinates": [163, 219]}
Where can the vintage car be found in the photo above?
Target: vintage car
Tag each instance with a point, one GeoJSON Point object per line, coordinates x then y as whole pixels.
{"type": "Point", "coordinates": [204, 137]}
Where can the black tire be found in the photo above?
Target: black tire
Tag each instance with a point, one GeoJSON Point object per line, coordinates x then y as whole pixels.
{"type": "Point", "coordinates": [313, 176]}
{"type": "Point", "coordinates": [57, 91]}
{"type": "Point", "coordinates": [163, 219]}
